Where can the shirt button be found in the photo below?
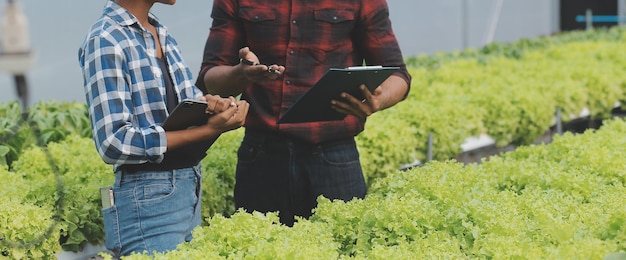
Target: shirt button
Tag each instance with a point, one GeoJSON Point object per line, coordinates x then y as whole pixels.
{"type": "Point", "coordinates": [256, 17]}
{"type": "Point", "coordinates": [291, 52]}
{"type": "Point", "coordinates": [335, 18]}
{"type": "Point", "coordinates": [288, 82]}
{"type": "Point", "coordinates": [151, 52]}
{"type": "Point", "coordinates": [293, 22]}
{"type": "Point", "coordinates": [156, 72]}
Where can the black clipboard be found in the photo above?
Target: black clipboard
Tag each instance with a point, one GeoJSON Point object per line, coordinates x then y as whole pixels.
{"type": "Point", "coordinates": [314, 105]}
{"type": "Point", "coordinates": [188, 113]}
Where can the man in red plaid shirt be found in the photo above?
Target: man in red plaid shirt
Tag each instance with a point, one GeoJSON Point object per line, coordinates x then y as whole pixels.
{"type": "Point", "coordinates": [285, 167]}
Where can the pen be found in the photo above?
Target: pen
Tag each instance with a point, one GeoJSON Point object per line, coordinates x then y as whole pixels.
{"type": "Point", "coordinates": [252, 63]}
{"type": "Point", "coordinates": [248, 62]}
{"type": "Point", "coordinates": [277, 72]}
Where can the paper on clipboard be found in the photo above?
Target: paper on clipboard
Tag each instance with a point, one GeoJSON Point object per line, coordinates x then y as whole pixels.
{"type": "Point", "coordinates": [314, 105]}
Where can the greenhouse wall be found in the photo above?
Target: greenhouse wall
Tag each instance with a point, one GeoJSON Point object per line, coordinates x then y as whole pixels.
{"type": "Point", "coordinates": [426, 26]}
{"type": "Point", "coordinates": [422, 27]}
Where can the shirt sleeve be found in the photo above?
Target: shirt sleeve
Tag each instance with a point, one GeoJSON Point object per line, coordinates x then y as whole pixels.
{"type": "Point", "coordinates": [225, 40]}
{"type": "Point", "coordinates": [377, 40]}
{"type": "Point", "coordinates": [117, 136]}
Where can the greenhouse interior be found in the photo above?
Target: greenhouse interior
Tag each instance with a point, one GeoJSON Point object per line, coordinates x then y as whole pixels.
{"type": "Point", "coordinates": [509, 145]}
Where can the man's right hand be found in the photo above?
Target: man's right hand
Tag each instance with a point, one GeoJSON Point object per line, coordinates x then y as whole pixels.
{"type": "Point", "coordinates": [256, 72]}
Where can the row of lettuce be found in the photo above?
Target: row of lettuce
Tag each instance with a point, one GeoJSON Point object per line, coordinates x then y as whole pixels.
{"type": "Point", "coordinates": [563, 200]}
{"type": "Point", "coordinates": [508, 91]}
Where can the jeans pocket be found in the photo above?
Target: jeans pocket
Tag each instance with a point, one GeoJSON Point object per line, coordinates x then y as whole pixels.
{"type": "Point", "coordinates": [111, 230]}
{"type": "Point", "coordinates": [344, 154]}
{"type": "Point", "coordinates": [154, 190]}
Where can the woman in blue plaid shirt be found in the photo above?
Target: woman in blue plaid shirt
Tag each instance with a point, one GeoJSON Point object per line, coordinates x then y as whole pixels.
{"type": "Point", "coordinates": [134, 76]}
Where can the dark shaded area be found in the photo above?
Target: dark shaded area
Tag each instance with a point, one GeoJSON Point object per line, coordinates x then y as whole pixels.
{"type": "Point", "coordinates": [571, 8]}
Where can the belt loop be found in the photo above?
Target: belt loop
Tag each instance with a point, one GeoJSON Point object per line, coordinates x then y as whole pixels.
{"type": "Point", "coordinates": [118, 178]}
{"type": "Point", "coordinates": [173, 176]}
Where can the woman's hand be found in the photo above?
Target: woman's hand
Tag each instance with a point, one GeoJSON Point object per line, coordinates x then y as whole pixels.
{"type": "Point", "coordinates": [230, 119]}
{"type": "Point", "coordinates": [217, 104]}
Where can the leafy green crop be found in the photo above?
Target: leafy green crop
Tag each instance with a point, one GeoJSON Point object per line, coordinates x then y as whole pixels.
{"type": "Point", "coordinates": [65, 178]}
{"type": "Point", "coordinates": [218, 171]}
{"type": "Point", "coordinates": [538, 202]}
{"type": "Point", "coordinates": [46, 121]}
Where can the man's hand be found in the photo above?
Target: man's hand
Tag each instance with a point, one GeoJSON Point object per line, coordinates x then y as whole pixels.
{"type": "Point", "coordinates": [371, 103]}
{"type": "Point", "coordinates": [256, 72]}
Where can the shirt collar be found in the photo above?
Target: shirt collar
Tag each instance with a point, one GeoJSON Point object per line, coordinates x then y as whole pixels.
{"type": "Point", "coordinates": [120, 15]}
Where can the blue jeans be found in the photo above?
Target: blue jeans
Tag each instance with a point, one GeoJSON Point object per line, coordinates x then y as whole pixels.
{"type": "Point", "coordinates": [275, 173]}
{"type": "Point", "coordinates": [153, 210]}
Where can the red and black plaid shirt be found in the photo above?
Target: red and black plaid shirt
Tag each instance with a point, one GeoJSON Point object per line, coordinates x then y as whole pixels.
{"type": "Point", "coordinates": [307, 37]}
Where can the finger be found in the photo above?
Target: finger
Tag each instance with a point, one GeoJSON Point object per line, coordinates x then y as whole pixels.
{"type": "Point", "coordinates": [349, 108]}
{"type": "Point", "coordinates": [367, 95]}
{"type": "Point", "coordinates": [223, 104]}
{"type": "Point", "coordinates": [340, 107]}
{"type": "Point", "coordinates": [221, 119]}
{"type": "Point", "coordinates": [242, 111]}
{"type": "Point", "coordinates": [208, 99]}
{"type": "Point", "coordinates": [257, 73]}
{"type": "Point", "coordinates": [274, 70]}
{"type": "Point", "coordinates": [218, 104]}
{"type": "Point", "coordinates": [210, 108]}
{"type": "Point", "coordinates": [242, 104]}
{"type": "Point", "coordinates": [233, 101]}
{"type": "Point", "coordinates": [243, 52]}
{"type": "Point", "coordinates": [257, 70]}
{"type": "Point", "coordinates": [230, 112]}
{"type": "Point", "coordinates": [248, 57]}
{"type": "Point", "coordinates": [351, 99]}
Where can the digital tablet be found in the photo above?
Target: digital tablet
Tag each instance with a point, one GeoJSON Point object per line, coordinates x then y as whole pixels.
{"type": "Point", "coordinates": [314, 105]}
{"type": "Point", "coordinates": [188, 113]}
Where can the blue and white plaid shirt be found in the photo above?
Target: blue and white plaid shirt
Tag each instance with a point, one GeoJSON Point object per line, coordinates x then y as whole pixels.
{"type": "Point", "coordinates": [125, 88]}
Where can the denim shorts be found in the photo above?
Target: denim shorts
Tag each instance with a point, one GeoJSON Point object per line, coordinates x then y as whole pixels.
{"type": "Point", "coordinates": [277, 174]}
{"type": "Point", "coordinates": [153, 210]}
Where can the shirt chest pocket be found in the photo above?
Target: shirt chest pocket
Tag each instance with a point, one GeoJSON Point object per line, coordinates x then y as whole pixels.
{"type": "Point", "coordinates": [259, 22]}
{"type": "Point", "coordinates": [334, 16]}
{"type": "Point", "coordinates": [257, 14]}
{"type": "Point", "coordinates": [334, 29]}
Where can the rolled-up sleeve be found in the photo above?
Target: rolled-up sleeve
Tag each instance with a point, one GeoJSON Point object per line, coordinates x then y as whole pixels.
{"type": "Point", "coordinates": [378, 40]}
